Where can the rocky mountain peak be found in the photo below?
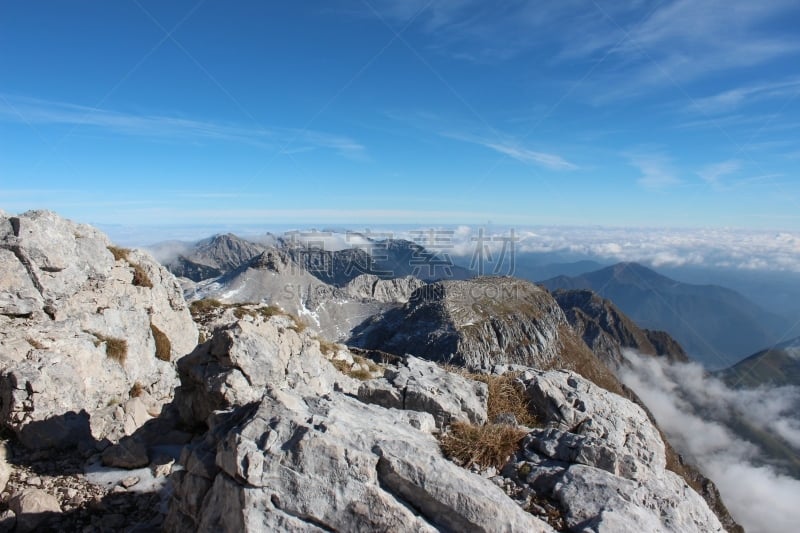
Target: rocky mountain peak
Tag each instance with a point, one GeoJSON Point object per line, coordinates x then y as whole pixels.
{"type": "Point", "coordinates": [281, 429]}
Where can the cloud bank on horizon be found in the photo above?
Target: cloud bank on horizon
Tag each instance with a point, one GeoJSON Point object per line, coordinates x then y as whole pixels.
{"type": "Point", "coordinates": [752, 250]}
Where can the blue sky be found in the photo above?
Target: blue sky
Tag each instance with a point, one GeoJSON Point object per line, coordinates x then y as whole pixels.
{"type": "Point", "coordinates": [143, 112]}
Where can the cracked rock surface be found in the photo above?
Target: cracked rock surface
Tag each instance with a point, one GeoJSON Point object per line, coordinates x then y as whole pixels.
{"type": "Point", "coordinates": [77, 333]}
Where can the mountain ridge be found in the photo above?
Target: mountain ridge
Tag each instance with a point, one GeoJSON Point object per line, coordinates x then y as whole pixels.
{"type": "Point", "coordinates": [715, 325]}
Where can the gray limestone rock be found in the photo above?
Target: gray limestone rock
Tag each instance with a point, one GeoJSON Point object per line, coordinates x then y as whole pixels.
{"type": "Point", "coordinates": [261, 467]}
{"type": "Point", "coordinates": [419, 385]}
{"type": "Point", "coordinates": [603, 462]}
{"type": "Point", "coordinates": [395, 290]}
{"type": "Point", "coordinates": [78, 330]}
{"type": "Point", "coordinates": [32, 507]}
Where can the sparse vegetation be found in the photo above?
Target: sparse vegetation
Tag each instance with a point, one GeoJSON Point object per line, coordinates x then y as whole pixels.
{"type": "Point", "coordinates": [116, 349]}
{"type": "Point", "coordinates": [163, 345]}
{"type": "Point", "coordinates": [327, 347]}
{"type": "Point", "coordinates": [485, 446]}
{"type": "Point", "coordinates": [140, 277]}
{"type": "Point", "coordinates": [201, 307]}
{"type": "Point", "coordinates": [359, 372]}
{"type": "Point", "coordinates": [575, 355]}
{"type": "Point", "coordinates": [119, 253]}
{"type": "Point", "coordinates": [202, 310]}
{"type": "Point", "coordinates": [299, 326]}
{"type": "Point", "coordinates": [506, 395]}
{"type": "Point", "coordinates": [36, 344]}
{"type": "Point", "coordinates": [264, 311]}
{"type": "Point", "coordinates": [136, 390]}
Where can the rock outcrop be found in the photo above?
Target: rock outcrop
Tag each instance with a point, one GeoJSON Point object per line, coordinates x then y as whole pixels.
{"type": "Point", "coordinates": [395, 290]}
{"type": "Point", "coordinates": [286, 451]}
{"type": "Point", "coordinates": [607, 330]}
{"type": "Point", "coordinates": [602, 460]}
{"type": "Point", "coordinates": [480, 323]}
{"type": "Point", "coordinates": [84, 327]}
{"type": "Point", "coordinates": [418, 385]}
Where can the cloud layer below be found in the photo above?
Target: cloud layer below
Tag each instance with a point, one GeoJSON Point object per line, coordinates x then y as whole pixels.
{"type": "Point", "coordinates": [694, 411]}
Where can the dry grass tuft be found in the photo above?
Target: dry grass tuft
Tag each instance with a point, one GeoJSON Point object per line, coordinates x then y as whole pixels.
{"type": "Point", "coordinates": [264, 311]}
{"type": "Point", "coordinates": [506, 395]}
{"type": "Point", "coordinates": [136, 390]}
{"type": "Point", "coordinates": [327, 347]}
{"type": "Point", "coordinates": [36, 344]}
{"type": "Point", "coordinates": [299, 326]}
{"type": "Point", "coordinates": [120, 254]}
{"type": "Point", "coordinates": [140, 277]}
{"type": "Point", "coordinates": [116, 349]}
{"type": "Point", "coordinates": [198, 308]}
{"type": "Point", "coordinates": [202, 310]}
{"type": "Point", "coordinates": [485, 446]}
{"type": "Point", "coordinates": [358, 373]}
{"type": "Point", "coordinates": [163, 345]}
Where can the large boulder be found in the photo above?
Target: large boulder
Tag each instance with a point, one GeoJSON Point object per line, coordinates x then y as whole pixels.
{"type": "Point", "coordinates": [286, 450]}
{"type": "Point", "coordinates": [243, 357]}
{"type": "Point", "coordinates": [83, 326]}
{"type": "Point", "coordinates": [32, 507]}
{"type": "Point", "coordinates": [331, 463]}
{"type": "Point", "coordinates": [419, 385]}
{"type": "Point", "coordinates": [602, 461]}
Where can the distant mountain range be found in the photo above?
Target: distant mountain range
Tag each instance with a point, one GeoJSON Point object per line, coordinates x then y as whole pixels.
{"type": "Point", "coordinates": [386, 259]}
{"type": "Point", "coordinates": [715, 325]}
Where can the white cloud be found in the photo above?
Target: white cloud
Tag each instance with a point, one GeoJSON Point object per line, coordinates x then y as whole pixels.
{"type": "Point", "coordinates": [289, 140]}
{"type": "Point", "coordinates": [515, 150]}
{"type": "Point", "coordinates": [656, 171]}
{"type": "Point", "coordinates": [524, 155]}
{"type": "Point", "coordinates": [736, 97]}
{"type": "Point", "coordinates": [648, 45]}
{"type": "Point", "coordinates": [694, 411]}
{"type": "Point", "coordinates": [712, 174]}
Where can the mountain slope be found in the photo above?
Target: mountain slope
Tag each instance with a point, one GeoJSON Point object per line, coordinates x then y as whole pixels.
{"type": "Point", "coordinates": [716, 326]}
{"type": "Point", "coordinates": [607, 331]}
{"type": "Point", "coordinates": [481, 323]}
{"type": "Point", "coordinates": [775, 366]}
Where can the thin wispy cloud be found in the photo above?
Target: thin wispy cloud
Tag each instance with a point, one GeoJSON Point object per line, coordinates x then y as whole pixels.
{"type": "Point", "coordinates": [517, 152]}
{"type": "Point", "coordinates": [713, 174]}
{"type": "Point", "coordinates": [551, 161]}
{"type": "Point", "coordinates": [737, 97]}
{"type": "Point", "coordinates": [656, 171]}
{"type": "Point", "coordinates": [682, 39]}
{"type": "Point", "coordinates": [290, 140]}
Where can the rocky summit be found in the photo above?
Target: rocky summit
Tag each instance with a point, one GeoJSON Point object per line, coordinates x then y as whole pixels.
{"type": "Point", "coordinates": [458, 406]}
